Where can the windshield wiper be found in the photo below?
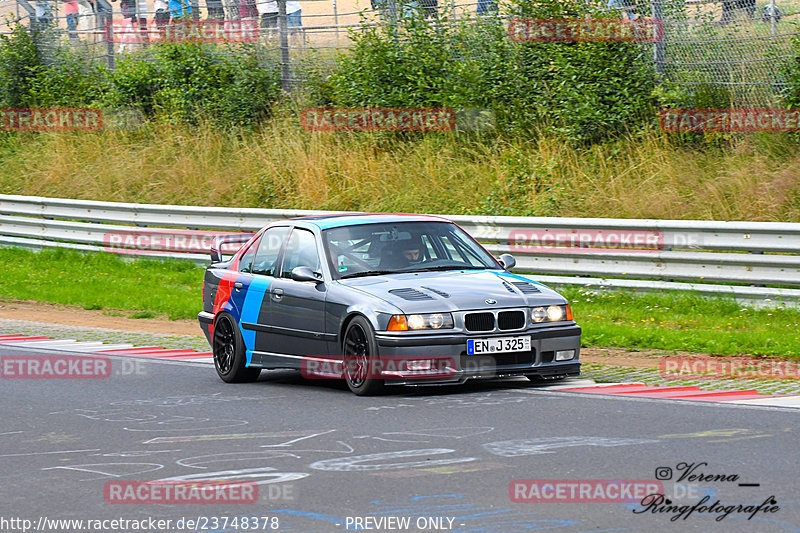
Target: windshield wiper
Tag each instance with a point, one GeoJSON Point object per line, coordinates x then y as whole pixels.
{"type": "Point", "coordinates": [367, 273]}
{"type": "Point", "coordinates": [446, 267]}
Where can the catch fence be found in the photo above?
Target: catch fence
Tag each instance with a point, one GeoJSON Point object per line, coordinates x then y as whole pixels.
{"type": "Point", "coordinates": [738, 49]}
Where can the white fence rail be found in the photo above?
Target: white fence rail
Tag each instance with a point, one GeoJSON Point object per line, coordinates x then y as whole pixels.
{"type": "Point", "coordinates": [756, 260]}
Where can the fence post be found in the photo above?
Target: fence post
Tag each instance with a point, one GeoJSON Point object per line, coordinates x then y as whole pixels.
{"type": "Point", "coordinates": [658, 46]}
{"type": "Point", "coordinates": [772, 16]}
{"type": "Point", "coordinates": [336, 21]}
{"type": "Point", "coordinates": [286, 72]}
{"type": "Point", "coordinates": [31, 12]}
{"type": "Point", "coordinates": [105, 22]}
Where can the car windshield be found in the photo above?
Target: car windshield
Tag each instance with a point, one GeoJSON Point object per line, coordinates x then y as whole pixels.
{"type": "Point", "coordinates": [373, 249]}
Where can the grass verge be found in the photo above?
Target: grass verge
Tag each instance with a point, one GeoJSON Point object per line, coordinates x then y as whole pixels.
{"type": "Point", "coordinates": [664, 320]}
{"type": "Point", "coordinates": [282, 166]}
{"type": "Point", "coordinates": [673, 320]}
{"type": "Point", "coordinates": [150, 287]}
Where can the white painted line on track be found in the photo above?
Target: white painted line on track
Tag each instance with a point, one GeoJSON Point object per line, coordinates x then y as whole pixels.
{"type": "Point", "coordinates": [48, 342]}
{"type": "Point", "coordinates": [785, 401]}
{"type": "Point", "coordinates": [106, 347]}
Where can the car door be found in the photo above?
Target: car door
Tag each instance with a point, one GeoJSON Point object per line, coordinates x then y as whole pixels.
{"type": "Point", "coordinates": [298, 307]}
{"type": "Point", "coordinates": [261, 265]}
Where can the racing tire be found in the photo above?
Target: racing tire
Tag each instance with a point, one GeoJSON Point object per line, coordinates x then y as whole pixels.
{"type": "Point", "coordinates": [228, 350]}
{"type": "Point", "coordinates": [360, 350]}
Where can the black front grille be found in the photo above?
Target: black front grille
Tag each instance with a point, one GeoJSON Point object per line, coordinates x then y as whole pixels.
{"type": "Point", "coordinates": [511, 319]}
{"type": "Point", "coordinates": [496, 361]}
{"type": "Point", "coordinates": [514, 358]}
{"type": "Point", "coordinates": [547, 357]}
{"type": "Point", "coordinates": [479, 321]}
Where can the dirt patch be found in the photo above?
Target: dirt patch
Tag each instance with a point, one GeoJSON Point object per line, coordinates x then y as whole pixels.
{"type": "Point", "coordinates": [103, 318]}
{"type": "Point", "coordinates": [625, 357]}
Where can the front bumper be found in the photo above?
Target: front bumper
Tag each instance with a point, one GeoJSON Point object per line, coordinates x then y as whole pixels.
{"type": "Point", "coordinates": [540, 361]}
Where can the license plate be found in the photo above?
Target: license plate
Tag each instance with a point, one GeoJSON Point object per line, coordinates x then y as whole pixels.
{"type": "Point", "coordinates": [498, 345]}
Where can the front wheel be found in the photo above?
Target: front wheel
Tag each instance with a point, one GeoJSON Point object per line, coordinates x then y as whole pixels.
{"type": "Point", "coordinates": [360, 351]}
{"type": "Point", "coordinates": [228, 350]}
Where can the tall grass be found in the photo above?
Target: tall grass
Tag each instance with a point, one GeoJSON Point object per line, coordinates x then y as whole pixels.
{"type": "Point", "coordinates": [281, 165]}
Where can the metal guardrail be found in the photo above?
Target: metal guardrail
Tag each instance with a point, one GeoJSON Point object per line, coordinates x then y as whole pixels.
{"type": "Point", "coordinates": [759, 260]}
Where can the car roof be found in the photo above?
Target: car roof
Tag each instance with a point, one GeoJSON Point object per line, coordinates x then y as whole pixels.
{"type": "Point", "coordinates": [324, 222]}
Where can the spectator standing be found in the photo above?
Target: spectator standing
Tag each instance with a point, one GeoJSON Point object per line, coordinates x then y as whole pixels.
{"type": "Point", "coordinates": [179, 10]}
{"type": "Point", "coordinates": [141, 12]}
{"type": "Point", "coordinates": [268, 10]}
{"type": "Point", "coordinates": [85, 15]}
{"type": "Point", "coordinates": [248, 10]}
{"type": "Point", "coordinates": [161, 18]}
{"type": "Point", "coordinates": [215, 10]}
{"type": "Point", "coordinates": [71, 12]}
{"type": "Point", "coordinates": [293, 14]}
{"type": "Point", "coordinates": [44, 13]}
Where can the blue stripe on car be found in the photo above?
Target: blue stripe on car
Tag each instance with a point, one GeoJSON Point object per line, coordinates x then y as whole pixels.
{"type": "Point", "coordinates": [251, 307]}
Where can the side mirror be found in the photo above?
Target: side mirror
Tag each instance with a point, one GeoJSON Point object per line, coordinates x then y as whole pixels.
{"type": "Point", "coordinates": [508, 261]}
{"type": "Point", "coordinates": [304, 273]}
{"type": "Point", "coordinates": [216, 255]}
{"type": "Point", "coordinates": [219, 240]}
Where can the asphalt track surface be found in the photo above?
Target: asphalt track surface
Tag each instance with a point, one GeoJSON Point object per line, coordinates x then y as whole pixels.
{"type": "Point", "coordinates": [326, 460]}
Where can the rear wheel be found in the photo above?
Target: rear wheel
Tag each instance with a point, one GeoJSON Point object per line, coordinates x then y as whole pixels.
{"type": "Point", "coordinates": [228, 350]}
{"type": "Point", "coordinates": [360, 356]}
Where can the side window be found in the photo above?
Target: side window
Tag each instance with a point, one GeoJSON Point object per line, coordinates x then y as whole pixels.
{"type": "Point", "coordinates": [301, 250]}
{"type": "Point", "coordinates": [246, 261]}
{"type": "Point", "coordinates": [266, 258]}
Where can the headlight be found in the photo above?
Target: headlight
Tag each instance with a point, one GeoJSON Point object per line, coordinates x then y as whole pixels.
{"type": "Point", "coordinates": [552, 313]}
{"type": "Point", "coordinates": [555, 313]}
{"type": "Point", "coordinates": [538, 314]}
{"type": "Point", "coordinates": [427, 321]}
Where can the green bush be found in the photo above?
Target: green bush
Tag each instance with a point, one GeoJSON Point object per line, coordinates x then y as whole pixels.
{"type": "Point", "coordinates": [175, 82]}
{"type": "Point", "coordinates": [20, 65]}
{"type": "Point", "coordinates": [581, 90]}
{"type": "Point", "coordinates": [29, 79]}
{"type": "Point", "coordinates": [191, 82]}
{"type": "Point", "coordinates": [791, 92]}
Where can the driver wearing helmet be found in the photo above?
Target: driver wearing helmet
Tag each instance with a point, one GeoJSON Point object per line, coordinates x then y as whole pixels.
{"type": "Point", "coordinates": [406, 252]}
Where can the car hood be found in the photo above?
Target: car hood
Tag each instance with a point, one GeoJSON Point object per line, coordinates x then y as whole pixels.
{"type": "Point", "coordinates": [455, 290]}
